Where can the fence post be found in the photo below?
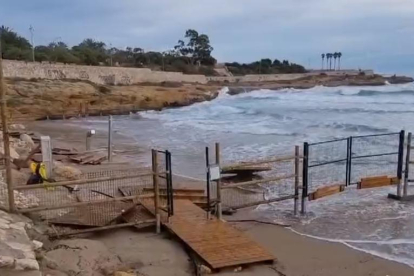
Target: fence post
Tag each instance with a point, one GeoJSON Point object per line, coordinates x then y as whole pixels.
{"type": "Point", "coordinates": [110, 138]}
{"type": "Point", "coordinates": [219, 210]}
{"type": "Point", "coordinates": [6, 141]}
{"type": "Point", "coordinates": [169, 161]}
{"type": "Point", "coordinates": [305, 176]}
{"type": "Point", "coordinates": [47, 156]}
{"type": "Point", "coordinates": [407, 164]}
{"type": "Point", "coordinates": [296, 200]}
{"type": "Point", "coordinates": [156, 189]}
{"type": "Point", "coordinates": [350, 161]}
{"type": "Point", "coordinates": [400, 161]}
{"type": "Point", "coordinates": [348, 142]}
{"type": "Point", "coordinates": [208, 182]}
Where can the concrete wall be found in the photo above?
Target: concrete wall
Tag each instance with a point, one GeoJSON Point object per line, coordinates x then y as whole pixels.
{"type": "Point", "coordinates": [125, 76]}
{"type": "Point", "coordinates": [96, 74]}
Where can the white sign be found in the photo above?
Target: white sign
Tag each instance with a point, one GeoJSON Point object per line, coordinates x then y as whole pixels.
{"type": "Point", "coordinates": [214, 172]}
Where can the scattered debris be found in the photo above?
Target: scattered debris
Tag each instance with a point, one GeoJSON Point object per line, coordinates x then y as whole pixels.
{"type": "Point", "coordinates": [90, 158]}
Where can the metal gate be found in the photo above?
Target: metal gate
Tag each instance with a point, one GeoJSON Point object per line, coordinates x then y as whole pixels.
{"type": "Point", "coordinates": [163, 170]}
{"type": "Point", "coordinates": [325, 164]}
{"type": "Point", "coordinates": [345, 161]}
{"type": "Point", "coordinates": [374, 155]}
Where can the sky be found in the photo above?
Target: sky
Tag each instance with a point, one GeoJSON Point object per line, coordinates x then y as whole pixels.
{"type": "Point", "coordinates": [375, 34]}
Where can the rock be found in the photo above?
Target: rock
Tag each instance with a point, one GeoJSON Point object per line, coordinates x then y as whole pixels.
{"type": "Point", "coordinates": [14, 127]}
{"type": "Point", "coordinates": [13, 153]}
{"type": "Point", "coordinates": [26, 138]}
{"type": "Point", "coordinates": [19, 177]}
{"type": "Point", "coordinates": [26, 264]}
{"type": "Point", "coordinates": [204, 270]}
{"type": "Point", "coordinates": [6, 262]}
{"type": "Point", "coordinates": [37, 245]}
{"type": "Point", "coordinates": [48, 262]}
{"type": "Point", "coordinates": [66, 172]}
{"type": "Point", "coordinates": [25, 201]}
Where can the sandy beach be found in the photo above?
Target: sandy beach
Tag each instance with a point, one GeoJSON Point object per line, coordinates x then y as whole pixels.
{"type": "Point", "coordinates": [296, 254]}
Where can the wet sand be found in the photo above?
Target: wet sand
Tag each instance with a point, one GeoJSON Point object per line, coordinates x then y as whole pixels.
{"type": "Point", "coordinates": [296, 255]}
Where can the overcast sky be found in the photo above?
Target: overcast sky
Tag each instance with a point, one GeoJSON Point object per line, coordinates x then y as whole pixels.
{"type": "Point", "coordinates": [376, 34]}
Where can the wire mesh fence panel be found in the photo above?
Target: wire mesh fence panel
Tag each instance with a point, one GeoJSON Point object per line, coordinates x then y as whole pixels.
{"type": "Point", "coordinates": [275, 184]}
{"type": "Point", "coordinates": [92, 194]}
{"type": "Point", "coordinates": [374, 155]}
{"type": "Point", "coordinates": [327, 164]}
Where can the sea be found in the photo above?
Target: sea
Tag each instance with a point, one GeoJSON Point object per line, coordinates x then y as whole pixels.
{"type": "Point", "coordinates": [265, 123]}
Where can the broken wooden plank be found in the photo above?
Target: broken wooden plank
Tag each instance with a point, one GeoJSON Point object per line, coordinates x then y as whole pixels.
{"type": "Point", "coordinates": [64, 151]}
{"type": "Point", "coordinates": [247, 169]}
{"type": "Point", "coordinates": [182, 191]}
{"type": "Point", "coordinates": [395, 180]}
{"type": "Point", "coordinates": [374, 182]}
{"type": "Point", "coordinates": [326, 191]}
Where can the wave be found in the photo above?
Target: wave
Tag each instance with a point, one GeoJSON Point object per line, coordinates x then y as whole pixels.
{"type": "Point", "coordinates": [368, 93]}
{"type": "Point", "coordinates": [358, 110]}
{"type": "Point", "coordinates": [352, 127]}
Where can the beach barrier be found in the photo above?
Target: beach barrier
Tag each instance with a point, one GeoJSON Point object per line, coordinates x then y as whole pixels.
{"type": "Point", "coordinates": [402, 192]}
{"type": "Point", "coordinates": [367, 161]}
{"type": "Point", "coordinates": [237, 186]}
{"type": "Point", "coordinates": [102, 200]}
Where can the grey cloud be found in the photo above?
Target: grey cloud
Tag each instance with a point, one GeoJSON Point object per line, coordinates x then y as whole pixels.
{"type": "Point", "coordinates": [370, 33]}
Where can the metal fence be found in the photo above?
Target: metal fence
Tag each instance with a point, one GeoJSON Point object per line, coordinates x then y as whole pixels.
{"type": "Point", "coordinates": [102, 200]}
{"type": "Point", "coordinates": [374, 155]}
{"type": "Point", "coordinates": [346, 161]}
{"type": "Point", "coordinates": [326, 163]}
{"type": "Point", "coordinates": [404, 190]}
{"type": "Point", "coordinates": [280, 182]}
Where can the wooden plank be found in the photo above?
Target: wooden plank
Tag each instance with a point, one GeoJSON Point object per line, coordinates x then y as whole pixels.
{"type": "Point", "coordinates": [259, 162]}
{"type": "Point", "coordinates": [395, 180]}
{"type": "Point", "coordinates": [374, 182]}
{"type": "Point", "coordinates": [248, 169]}
{"type": "Point", "coordinates": [326, 191]}
{"type": "Point", "coordinates": [219, 244]}
{"type": "Point", "coordinates": [179, 191]}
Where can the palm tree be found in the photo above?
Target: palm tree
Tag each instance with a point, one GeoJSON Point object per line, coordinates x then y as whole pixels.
{"type": "Point", "coordinates": [330, 55]}
{"type": "Point", "coordinates": [339, 60]}
{"type": "Point", "coordinates": [327, 60]}
{"type": "Point", "coordinates": [335, 55]}
{"type": "Point", "coordinates": [323, 58]}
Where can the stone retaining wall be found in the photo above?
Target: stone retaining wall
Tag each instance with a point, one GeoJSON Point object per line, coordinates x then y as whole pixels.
{"type": "Point", "coordinates": [96, 74]}
{"type": "Point", "coordinates": [127, 76]}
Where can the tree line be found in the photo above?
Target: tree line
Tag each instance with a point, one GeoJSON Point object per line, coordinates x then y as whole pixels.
{"type": "Point", "coordinates": [265, 66]}
{"type": "Point", "coordinates": [329, 56]}
{"type": "Point", "coordinates": [191, 55]}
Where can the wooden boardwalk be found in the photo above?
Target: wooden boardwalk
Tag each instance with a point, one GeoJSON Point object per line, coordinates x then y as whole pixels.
{"type": "Point", "coordinates": [219, 244]}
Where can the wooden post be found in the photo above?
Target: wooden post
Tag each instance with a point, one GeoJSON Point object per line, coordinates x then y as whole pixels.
{"type": "Point", "coordinates": [219, 207]}
{"type": "Point", "coordinates": [6, 140]}
{"type": "Point", "coordinates": [47, 155]}
{"type": "Point", "coordinates": [110, 139]}
{"type": "Point", "coordinates": [156, 189]}
{"type": "Point", "coordinates": [407, 165]}
{"type": "Point", "coordinates": [296, 200]}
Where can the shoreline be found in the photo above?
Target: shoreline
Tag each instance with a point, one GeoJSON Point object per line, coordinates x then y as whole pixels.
{"type": "Point", "coordinates": [295, 252]}
{"type": "Point", "coordinates": [37, 99]}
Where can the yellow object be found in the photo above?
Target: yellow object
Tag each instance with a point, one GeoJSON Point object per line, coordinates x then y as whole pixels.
{"type": "Point", "coordinates": [39, 171]}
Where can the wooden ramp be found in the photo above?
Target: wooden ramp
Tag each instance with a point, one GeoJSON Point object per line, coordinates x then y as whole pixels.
{"type": "Point", "coordinates": [219, 244]}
